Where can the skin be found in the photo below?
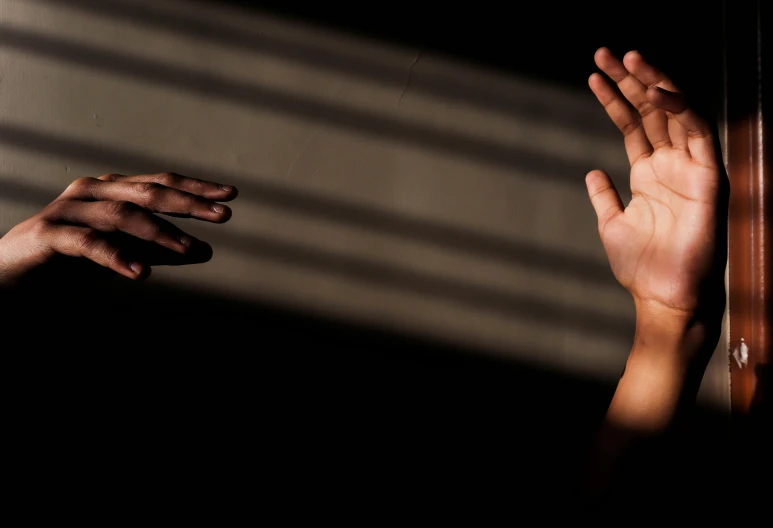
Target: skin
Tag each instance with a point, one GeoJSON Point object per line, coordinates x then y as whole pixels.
{"type": "Point", "coordinates": [115, 221]}
{"type": "Point", "coordinates": [665, 247]}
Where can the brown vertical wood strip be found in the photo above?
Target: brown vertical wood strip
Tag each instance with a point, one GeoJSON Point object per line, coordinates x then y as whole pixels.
{"type": "Point", "coordinates": [749, 230]}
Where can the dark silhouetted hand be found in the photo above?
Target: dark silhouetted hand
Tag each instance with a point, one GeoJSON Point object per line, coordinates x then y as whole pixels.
{"type": "Point", "coordinates": [113, 221]}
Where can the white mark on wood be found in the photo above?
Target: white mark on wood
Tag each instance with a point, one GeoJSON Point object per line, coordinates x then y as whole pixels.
{"type": "Point", "coordinates": [741, 354]}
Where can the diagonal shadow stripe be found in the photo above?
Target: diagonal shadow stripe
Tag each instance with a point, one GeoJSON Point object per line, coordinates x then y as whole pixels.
{"type": "Point", "coordinates": [306, 203]}
{"type": "Point", "coordinates": [371, 272]}
{"type": "Point", "coordinates": [451, 88]}
{"type": "Point", "coordinates": [452, 144]}
{"type": "Point", "coordinates": [465, 294]}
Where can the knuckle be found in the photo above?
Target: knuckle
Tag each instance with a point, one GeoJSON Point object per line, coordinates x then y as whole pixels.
{"type": "Point", "coordinates": [192, 201]}
{"type": "Point", "coordinates": [55, 209]}
{"type": "Point", "coordinates": [154, 230]}
{"type": "Point", "coordinates": [645, 108]}
{"type": "Point", "coordinates": [89, 240]}
{"type": "Point", "coordinates": [605, 217]}
{"type": "Point", "coordinates": [699, 129]}
{"type": "Point", "coordinates": [120, 210]}
{"type": "Point", "coordinates": [168, 178]}
{"type": "Point", "coordinates": [40, 229]}
{"type": "Point", "coordinates": [630, 128]}
{"type": "Point", "coordinates": [92, 244]}
{"type": "Point", "coordinates": [110, 177]}
{"type": "Point", "coordinates": [151, 190]}
{"type": "Point", "coordinates": [111, 254]}
{"type": "Point", "coordinates": [599, 191]}
{"type": "Point", "coordinates": [80, 185]}
{"type": "Point", "coordinates": [197, 183]}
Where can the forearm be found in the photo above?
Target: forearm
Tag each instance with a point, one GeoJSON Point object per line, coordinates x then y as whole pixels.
{"type": "Point", "coordinates": [660, 383]}
{"type": "Point", "coordinates": [12, 265]}
{"type": "Point", "coordinates": [7, 278]}
{"type": "Point", "coordinates": [663, 369]}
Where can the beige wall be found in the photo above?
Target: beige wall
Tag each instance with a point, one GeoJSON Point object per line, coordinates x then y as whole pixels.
{"type": "Point", "coordinates": [378, 184]}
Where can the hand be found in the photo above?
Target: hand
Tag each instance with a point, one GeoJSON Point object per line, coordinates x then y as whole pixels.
{"type": "Point", "coordinates": [664, 246]}
{"type": "Point", "coordinates": [667, 248]}
{"type": "Point", "coordinates": [110, 220]}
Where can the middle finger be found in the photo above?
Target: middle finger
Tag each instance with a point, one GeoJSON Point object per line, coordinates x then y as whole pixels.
{"type": "Point", "coordinates": [161, 199]}
{"type": "Point", "coordinates": [654, 120]}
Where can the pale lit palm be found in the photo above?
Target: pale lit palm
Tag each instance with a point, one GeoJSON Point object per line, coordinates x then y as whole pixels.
{"type": "Point", "coordinates": [662, 245]}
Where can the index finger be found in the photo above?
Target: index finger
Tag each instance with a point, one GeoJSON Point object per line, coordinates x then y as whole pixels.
{"type": "Point", "coordinates": [207, 189]}
{"type": "Point", "coordinates": [623, 115]}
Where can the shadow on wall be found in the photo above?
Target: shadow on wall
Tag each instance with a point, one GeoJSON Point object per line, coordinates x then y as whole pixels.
{"type": "Point", "coordinates": [371, 271]}
{"type": "Point", "coordinates": [485, 45]}
{"type": "Point", "coordinates": [358, 121]}
{"type": "Point", "coordinates": [332, 58]}
{"type": "Point", "coordinates": [305, 202]}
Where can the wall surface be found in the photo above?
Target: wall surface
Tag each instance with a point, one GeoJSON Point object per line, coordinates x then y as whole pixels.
{"type": "Point", "coordinates": [381, 185]}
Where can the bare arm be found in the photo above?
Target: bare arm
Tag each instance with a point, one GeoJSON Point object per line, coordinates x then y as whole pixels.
{"type": "Point", "coordinates": [668, 249]}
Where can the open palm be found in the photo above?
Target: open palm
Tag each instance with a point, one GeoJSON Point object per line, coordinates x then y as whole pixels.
{"type": "Point", "coordinates": [663, 244]}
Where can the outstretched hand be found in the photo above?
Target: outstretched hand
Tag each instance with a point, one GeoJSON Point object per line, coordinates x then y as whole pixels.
{"type": "Point", "coordinates": [664, 245]}
{"type": "Point", "coordinates": [667, 246]}
{"type": "Point", "coordinates": [114, 221]}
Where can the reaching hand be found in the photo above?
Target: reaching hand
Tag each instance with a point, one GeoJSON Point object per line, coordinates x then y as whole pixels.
{"type": "Point", "coordinates": [110, 220]}
{"type": "Point", "coordinates": [663, 246]}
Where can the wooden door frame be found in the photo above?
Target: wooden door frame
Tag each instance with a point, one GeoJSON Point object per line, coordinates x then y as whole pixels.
{"type": "Point", "coordinates": [747, 154]}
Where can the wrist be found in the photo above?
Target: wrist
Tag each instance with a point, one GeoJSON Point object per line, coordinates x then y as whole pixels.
{"type": "Point", "coordinates": [681, 338]}
{"type": "Point", "coordinates": [18, 256]}
{"type": "Point", "coordinates": [11, 274]}
{"type": "Point", "coordinates": [664, 367]}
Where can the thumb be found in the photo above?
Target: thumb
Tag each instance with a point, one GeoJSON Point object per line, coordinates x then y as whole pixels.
{"type": "Point", "coordinates": [603, 197]}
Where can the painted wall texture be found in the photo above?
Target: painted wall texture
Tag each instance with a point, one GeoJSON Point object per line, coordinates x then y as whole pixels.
{"type": "Point", "coordinates": [380, 185]}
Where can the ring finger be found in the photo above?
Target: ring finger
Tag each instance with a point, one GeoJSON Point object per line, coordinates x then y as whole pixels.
{"type": "Point", "coordinates": [654, 120]}
{"type": "Point", "coordinates": [651, 76]}
{"type": "Point", "coordinates": [109, 216]}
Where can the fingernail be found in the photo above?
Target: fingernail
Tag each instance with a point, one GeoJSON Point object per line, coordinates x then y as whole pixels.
{"type": "Point", "coordinates": [226, 188]}
{"type": "Point", "coordinates": [218, 208]}
{"type": "Point", "coordinates": [185, 240]}
{"type": "Point", "coordinates": [136, 267]}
